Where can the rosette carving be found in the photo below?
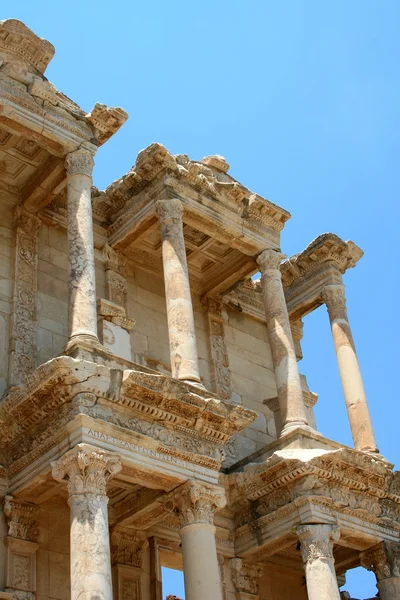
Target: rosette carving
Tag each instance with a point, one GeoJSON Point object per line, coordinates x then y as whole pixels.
{"type": "Point", "coordinates": [86, 469]}
{"type": "Point", "coordinates": [196, 503]}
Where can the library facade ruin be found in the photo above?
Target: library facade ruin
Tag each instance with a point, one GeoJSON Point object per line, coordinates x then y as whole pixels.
{"type": "Point", "coordinates": [152, 410]}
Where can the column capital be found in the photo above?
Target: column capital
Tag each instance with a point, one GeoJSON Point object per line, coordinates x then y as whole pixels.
{"type": "Point", "coordinates": [335, 299]}
{"type": "Point", "coordinates": [127, 547]}
{"type": "Point", "coordinates": [27, 221]}
{"type": "Point", "coordinates": [245, 576]}
{"type": "Point", "coordinates": [196, 503]}
{"type": "Point", "coordinates": [79, 162]}
{"type": "Point", "coordinates": [169, 209]}
{"type": "Point", "coordinates": [270, 259]}
{"type": "Point", "coordinates": [317, 541]}
{"type": "Point", "coordinates": [21, 519]}
{"type": "Point", "coordinates": [383, 559]}
{"type": "Point", "coordinates": [86, 469]}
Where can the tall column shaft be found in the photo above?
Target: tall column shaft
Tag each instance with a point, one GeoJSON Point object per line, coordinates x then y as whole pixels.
{"type": "Point", "coordinates": [290, 394]}
{"type": "Point", "coordinates": [196, 505]}
{"type": "Point", "coordinates": [82, 282]}
{"type": "Point", "coordinates": [181, 328]}
{"type": "Point", "coordinates": [87, 470]}
{"type": "Point", "coordinates": [319, 565]}
{"type": "Point", "coordinates": [349, 369]}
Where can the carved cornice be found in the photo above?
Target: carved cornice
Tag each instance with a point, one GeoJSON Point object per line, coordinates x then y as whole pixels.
{"type": "Point", "coordinates": [106, 121]}
{"type": "Point", "coordinates": [79, 162]}
{"type": "Point", "coordinates": [17, 40]}
{"type": "Point", "coordinates": [86, 470]}
{"type": "Point", "coordinates": [195, 503]}
{"type": "Point", "coordinates": [21, 519]}
{"type": "Point", "coordinates": [383, 559]}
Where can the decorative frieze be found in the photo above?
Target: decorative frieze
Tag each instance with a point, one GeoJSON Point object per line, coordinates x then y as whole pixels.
{"type": "Point", "coordinates": [24, 315]}
{"type": "Point", "coordinates": [220, 360]}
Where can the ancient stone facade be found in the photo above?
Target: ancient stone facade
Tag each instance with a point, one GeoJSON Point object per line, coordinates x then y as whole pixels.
{"type": "Point", "coordinates": [152, 410]}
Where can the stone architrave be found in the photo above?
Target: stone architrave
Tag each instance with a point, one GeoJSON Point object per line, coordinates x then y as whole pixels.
{"type": "Point", "coordinates": [82, 282]}
{"type": "Point", "coordinates": [181, 328]}
{"type": "Point", "coordinates": [24, 313]}
{"type": "Point", "coordinates": [384, 560]}
{"type": "Point", "coordinates": [350, 374]}
{"type": "Point", "coordinates": [245, 578]}
{"type": "Point", "coordinates": [87, 470]}
{"type": "Point", "coordinates": [287, 375]}
{"type": "Point", "coordinates": [220, 361]}
{"type": "Point", "coordinates": [21, 547]}
{"type": "Point", "coordinates": [317, 551]}
{"type": "Point", "coordinates": [195, 504]}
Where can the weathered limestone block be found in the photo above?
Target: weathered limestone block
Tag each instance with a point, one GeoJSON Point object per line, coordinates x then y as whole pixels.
{"type": "Point", "coordinates": [115, 338]}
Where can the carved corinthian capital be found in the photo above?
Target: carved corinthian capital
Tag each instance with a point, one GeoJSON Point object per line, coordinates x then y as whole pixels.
{"type": "Point", "coordinates": [383, 559]}
{"type": "Point", "coordinates": [169, 209]}
{"type": "Point", "coordinates": [196, 503]}
{"type": "Point", "coordinates": [21, 519]}
{"type": "Point", "coordinates": [269, 260]}
{"type": "Point", "coordinates": [79, 162]}
{"type": "Point", "coordinates": [86, 469]}
{"type": "Point", "coordinates": [335, 300]}
{"type": "Point", "coordinates": [317, 541]}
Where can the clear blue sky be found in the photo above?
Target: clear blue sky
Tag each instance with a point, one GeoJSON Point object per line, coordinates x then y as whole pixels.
{"type": "Point", "coordinates": [302, 98]}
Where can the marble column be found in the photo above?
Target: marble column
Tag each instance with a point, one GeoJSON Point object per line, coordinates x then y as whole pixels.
{"type": "Point", "coordinates": [290, 394]}
{"type": "Point", "coordinates": [82, 283]}
{"type": "Point", "coordinates": [319, 565]}
{"type": "Point", "coordinates": [350, 374]}
{"type": "Point", "coordinates": [196, 504]}
{"type": "Point", "coordinates": [384, 560]}
{"type": "Point", "coordinates": [181, 329]}
{"type": "Point", "coordinates": [87, 470]}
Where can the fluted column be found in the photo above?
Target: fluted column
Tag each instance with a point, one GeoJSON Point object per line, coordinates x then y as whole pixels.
{"type": "Point", "coordinates": [181, 329]}
{"type": "Point", "coordinates": [319, 564]}
{"type": "Point", "coordinates": [384, 560]}
{"type": "Point", "coordinates": [290, 394]}
{"type": "Point", "coordinates": [349, 369]}
{"type": "Point", "coordinates": [82, 283]}
{"type": "Point", "coordinates": [196, 505]}
{"type": "Point", "coordinates": [86, 470]}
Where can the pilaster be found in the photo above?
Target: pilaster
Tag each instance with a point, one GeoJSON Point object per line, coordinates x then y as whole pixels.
{"type": "Point", "coordinates": [126, 559]}
{"type": "Point", "coordinates": [24, 312]}
{"type": "Point", "coordinates": [245, 578]}
{"type": "Point", "coordinates": [221, 374]}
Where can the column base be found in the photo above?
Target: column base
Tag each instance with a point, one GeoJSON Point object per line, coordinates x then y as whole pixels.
{"type": "Point", "coordinates": [289, 427]}
{"type": "Point", "coordinates": [196, 384]}
{"type": "Point", "coordinates": [84, 347]}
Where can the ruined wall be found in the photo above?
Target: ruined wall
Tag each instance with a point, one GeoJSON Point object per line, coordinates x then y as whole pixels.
{"type": "Point", "coordinates": [6, 273]}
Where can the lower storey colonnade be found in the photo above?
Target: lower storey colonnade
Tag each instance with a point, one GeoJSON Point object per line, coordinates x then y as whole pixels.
{"type": "Point", "coordinates": [86, 471]}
